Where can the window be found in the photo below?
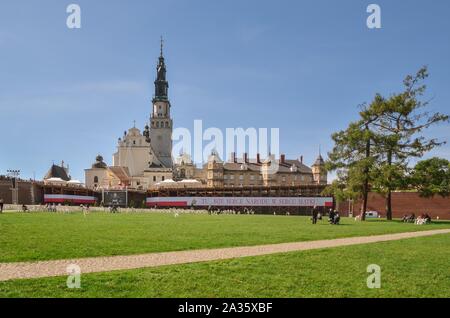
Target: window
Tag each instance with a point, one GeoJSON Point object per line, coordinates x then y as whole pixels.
{"type": "Point", "coordinates": [157, 124]}
{"type": "Point", "coordinates": [154, 178]}
{"type": "Point", "coordinates": [95, 179]}
{"type": "Point", "coordinates": [134, 142]}
{"type": "Point", "coordinates": [241, 177]}
{"type": "Point", "coordinates": [283, 179]}
{"type": "Point", "coordinates": [232, 177]}
{"type": "Point", "coordinates": [162, 178]}
{"type": "Point", "coordinates": [252, 177]}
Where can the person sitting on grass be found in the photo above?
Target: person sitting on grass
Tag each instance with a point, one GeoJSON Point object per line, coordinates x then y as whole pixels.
{"type": "Point", "coordinates": [331, 216]}
{"type": "Point", "coordinates": [24, 208]}
{"type": "Point", "coordinates": [337, 218]}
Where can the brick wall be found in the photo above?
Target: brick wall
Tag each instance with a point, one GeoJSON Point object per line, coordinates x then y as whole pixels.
{"type": "Point", "coordinates": [404, 203]}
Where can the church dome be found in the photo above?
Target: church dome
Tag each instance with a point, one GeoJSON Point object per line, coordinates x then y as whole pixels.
{"type": "Point", "coordinates": [99, 163]}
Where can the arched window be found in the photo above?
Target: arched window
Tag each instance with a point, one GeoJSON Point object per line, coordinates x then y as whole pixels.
{"type": "Point", "coordinates": [167, 124]}
{"type": "Point", "coordinates": [157, 124]}
{"type": "Point", "coordinates": [95, 179]}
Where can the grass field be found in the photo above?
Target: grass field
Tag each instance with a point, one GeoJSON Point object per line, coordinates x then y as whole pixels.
{"type": "Point", "coordinates": [45, 236]}
{"type": "Point", "coordinates": [417, 267]}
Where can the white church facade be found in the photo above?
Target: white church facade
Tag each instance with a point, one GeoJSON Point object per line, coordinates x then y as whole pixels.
{"type": "Point", "coordinates": [144, 159]}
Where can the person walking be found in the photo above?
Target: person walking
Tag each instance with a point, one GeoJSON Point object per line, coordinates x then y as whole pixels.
{"type": "Point", "coordinates": [315, 213]}
{"type": "Point", "coordinates": [1, 205]}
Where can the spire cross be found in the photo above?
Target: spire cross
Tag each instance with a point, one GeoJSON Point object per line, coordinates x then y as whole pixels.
{"type": "Point", "coordinates": [162, 44]}
{"type": "Point", "coordinates": [134, 123]}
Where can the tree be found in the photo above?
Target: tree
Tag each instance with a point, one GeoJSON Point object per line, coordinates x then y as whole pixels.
{"type": "Point", "coordinates": [400, 121]}
{"type": "Point", "coordinates": [431, 177]}
{"type": "Point", "coordinates": [374, 152]}
{"type": "Point", "coordinates": [353, 158]}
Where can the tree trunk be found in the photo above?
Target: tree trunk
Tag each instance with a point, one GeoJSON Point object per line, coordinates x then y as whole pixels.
{"type": "Point", "coordinates": [389, 205]}
{"type": "Point", "coordinates": [366, 180]}
{"type": "Point", "coordinates": [389, 194]}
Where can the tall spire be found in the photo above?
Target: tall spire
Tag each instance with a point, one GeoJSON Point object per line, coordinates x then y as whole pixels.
{"type": "Point", "coordinates": [161, 84]}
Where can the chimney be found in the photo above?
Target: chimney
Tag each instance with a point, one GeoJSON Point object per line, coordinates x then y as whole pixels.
{"type": "Point", "coordinates": [245, 157]}
{"type": "Point", "coordinates": [283, 159]}
{"type": "Point", "coordinates": [258, 158]}
{"type": "Point", "coordinates": [301, 159]}
{"type": "Point", "coordinates": [233, 157]}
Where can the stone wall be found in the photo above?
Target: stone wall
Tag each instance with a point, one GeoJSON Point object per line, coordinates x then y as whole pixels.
{"type": "Point", "coordinates": [29, 192]}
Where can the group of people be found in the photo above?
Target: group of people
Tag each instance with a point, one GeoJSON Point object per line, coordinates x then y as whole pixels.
{"type": "Point", "coordinates": [51, 207]}
{"type": "Point", "coordinates": [422, 219]}
{"type": "Point", "coordinates": [333, 216]}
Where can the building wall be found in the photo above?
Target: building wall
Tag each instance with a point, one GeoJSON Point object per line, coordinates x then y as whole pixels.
{"type": "Point", "coordinates": [103, 176]}
{"type": "Point", "coordinates": [255, 178]}
{"type": "Point", "coordinates": [404, 203]}
{"type": "Point", "coordinates": [151, 177]}
{"type": "Point", "coordinates": [134, 157]}
{"type": "Point", "coordinates": [29, 192]}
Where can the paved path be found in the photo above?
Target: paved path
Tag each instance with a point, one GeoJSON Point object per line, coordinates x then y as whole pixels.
{"type": "Point", "coordinates": [10, 271]}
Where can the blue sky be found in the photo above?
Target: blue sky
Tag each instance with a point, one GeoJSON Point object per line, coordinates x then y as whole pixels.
{"type": "Point", "coordinates": [302, 66]}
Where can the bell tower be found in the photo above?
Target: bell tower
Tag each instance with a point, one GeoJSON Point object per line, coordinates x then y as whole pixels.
{"type": "Point", "coordinates": [160, 133]}
{"type": "Point", "coordinates": [319, 171]}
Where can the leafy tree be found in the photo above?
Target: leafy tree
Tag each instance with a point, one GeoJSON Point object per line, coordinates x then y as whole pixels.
{"type": "Point", "coordinates": [431, 177]}
{"type": "Point", "coordinates": [353, 159]}
{"type": "Point", "coordinates": [400, 121]}
{"type": "Point", "coordinates": [374, 151]}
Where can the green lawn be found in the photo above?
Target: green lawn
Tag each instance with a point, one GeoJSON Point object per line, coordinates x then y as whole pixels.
{"type": "Point", "coordinates": [417, 267]}
{"type": "Point", "coordinates": [44, 236]}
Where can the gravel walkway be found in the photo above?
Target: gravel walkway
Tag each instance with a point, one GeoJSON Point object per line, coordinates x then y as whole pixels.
{"type": "Point", "coordinates": [9, 271]}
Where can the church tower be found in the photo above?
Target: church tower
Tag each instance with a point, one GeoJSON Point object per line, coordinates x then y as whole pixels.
{"type": "Point", "coordinates": [319, 171]}
{"type": "Point", "coordinates": [160, 133]}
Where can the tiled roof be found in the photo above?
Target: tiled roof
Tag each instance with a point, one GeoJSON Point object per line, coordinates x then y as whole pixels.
{"type": "Point", "coordinates": [121, 172]}
{"type": "Point", "coordinates": [57, 172]}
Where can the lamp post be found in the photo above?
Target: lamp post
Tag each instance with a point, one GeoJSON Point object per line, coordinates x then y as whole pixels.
{"type": "Point", "coordinates": [14, 175]}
